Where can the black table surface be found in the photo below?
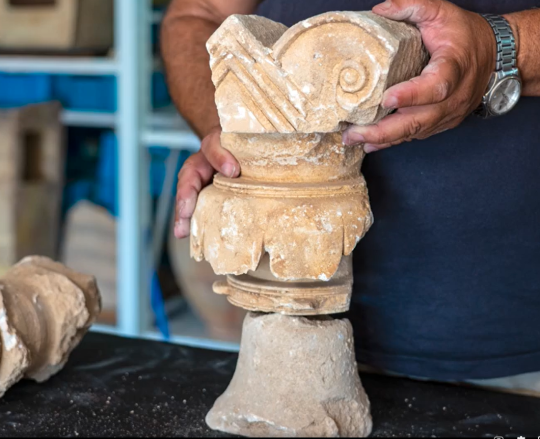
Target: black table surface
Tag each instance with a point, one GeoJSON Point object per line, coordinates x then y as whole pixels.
{"type": "Point", "coordinates": [113, 386]}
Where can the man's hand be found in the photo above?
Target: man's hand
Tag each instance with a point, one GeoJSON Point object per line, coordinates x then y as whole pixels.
{"type": "Point", "coordinates": [196, 173]}
{"type": "Point", "coordinates": [185, 29]}
{"type": "Point", "coordinates": [463, 50]}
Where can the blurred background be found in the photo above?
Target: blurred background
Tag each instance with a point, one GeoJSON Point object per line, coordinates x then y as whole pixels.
{"type": "Point", "coordinates": [90, 145]}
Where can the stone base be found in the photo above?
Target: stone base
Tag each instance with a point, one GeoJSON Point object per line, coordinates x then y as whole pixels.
{"type": "Point", "coordinates": [295, 376]}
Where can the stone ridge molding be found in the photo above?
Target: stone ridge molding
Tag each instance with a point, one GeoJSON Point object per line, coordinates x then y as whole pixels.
{"type": "Point", "coordinates": [261, 291]}
{"type": "Point", "coordinates": [312, 77]}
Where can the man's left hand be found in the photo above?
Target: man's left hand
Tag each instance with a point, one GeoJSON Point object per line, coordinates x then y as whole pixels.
{"type": "Point", "coordinates": [463, 50]}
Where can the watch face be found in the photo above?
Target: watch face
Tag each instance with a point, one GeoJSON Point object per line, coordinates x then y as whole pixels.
{"type": "Point", "coordinates": [504, 96]}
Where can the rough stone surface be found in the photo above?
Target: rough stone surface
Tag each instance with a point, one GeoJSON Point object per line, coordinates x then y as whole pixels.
{"type": "Point", "coordinates": [45, 309]}
{"type": "Point", "coordinates": [295, 376]}
{"type": "Point", "coordinates": [323, 71]}
{"type": "Point", "coordinates": [283, 97]}
{"type": "Point", "coordinates": [305, 221]}
{"type": "Point", "coordinates": [284, 230]}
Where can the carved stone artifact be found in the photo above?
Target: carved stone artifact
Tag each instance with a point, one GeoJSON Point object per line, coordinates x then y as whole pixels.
{"type": "Point", "coordinates": [45, 310]}
{"type": "Point", "coordinates": [283, 232]}
{"type": "Point", "coordinates": [283, 97]}
{"type": "Point", "coordinates": [298, 371]}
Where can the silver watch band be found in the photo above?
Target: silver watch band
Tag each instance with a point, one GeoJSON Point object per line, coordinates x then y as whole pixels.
{"type": "Point", "coordinates": [506, 44]}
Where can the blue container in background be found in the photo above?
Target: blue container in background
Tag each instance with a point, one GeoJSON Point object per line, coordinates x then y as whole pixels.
{"type": "Point", "coordinates": [82, 155]}
{"type": "Point", "coordinates": [107, 171]}
{"type": "Point", "coordinates": [160, 91]}
{"type": "Point", "coordinates": [98, 93]}
{"type": "Point", "coordinates": [75, 191]}
{"type": "Point", "coordinates": [75, 92]}
{"type": "Point", "coordinates": [106, 175]}
{"type": "Point", "coordinates": [23, 89]}
{"type": "Point", "coordinates": [86, 93]}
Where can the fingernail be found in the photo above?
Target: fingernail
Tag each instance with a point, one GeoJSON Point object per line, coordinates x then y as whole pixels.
{"type": "Point", "coordinates": [353, 138]}
{"type": "Point", "coordinates": [181, 228]}
{"type": "Point", "coordinates": [369, 148]}
{"type": "Point", "coordinates": [384, 6]}
{"type": "Point", "coordinates": [390, 102]}
{"type": "Point", "coordinates": [228, 170]}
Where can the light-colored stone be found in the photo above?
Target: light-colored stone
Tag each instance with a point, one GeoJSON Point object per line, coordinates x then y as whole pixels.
{"type": "Point", "coordinates": [283, 97]}
{"type": "Point", "coordinates": [284, 230]}
{"type": "Point", "coordinates": [45, 309]}
{"type": "Point", "coordinates": [295, 376]}
{"type": "Point", "coordinates": [323, 71]}
{"type": "Point", "coordinates": [260, 290]}
{"type": "Point", "coordinates": [305, 221]}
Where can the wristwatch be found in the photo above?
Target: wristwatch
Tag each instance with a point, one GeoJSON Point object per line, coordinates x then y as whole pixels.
{"type": "Point", "coordinates": [504, 88]}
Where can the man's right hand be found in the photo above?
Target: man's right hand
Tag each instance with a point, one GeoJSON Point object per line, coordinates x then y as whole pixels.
{"type": "Point", "coordinates": [197, 173]}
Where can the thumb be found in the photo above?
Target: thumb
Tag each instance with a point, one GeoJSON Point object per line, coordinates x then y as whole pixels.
{"type": "Point", "coordinates": [412, 11]}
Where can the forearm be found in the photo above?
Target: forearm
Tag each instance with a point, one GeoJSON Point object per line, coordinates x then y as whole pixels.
{"type": "Point", "coordinates": [188, 74]}
{"type": "Point", "coordinates": [526, 27]}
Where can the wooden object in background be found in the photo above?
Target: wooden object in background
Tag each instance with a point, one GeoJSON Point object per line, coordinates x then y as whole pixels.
{"type": "Point", "coordinates": [195, 279]}
{"type": "Point", "coordinates": [56, 24]}
{"type": "Point", "coordinates": [32, 157]}
{"type": "Point", "coordinates": [89, 245]}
